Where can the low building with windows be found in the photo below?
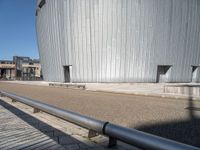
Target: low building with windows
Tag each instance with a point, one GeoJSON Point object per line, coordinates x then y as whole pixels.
{"type": "Point", "coordinates": [119, 40]}
{"type": "Point", "coordinates": [20, 68]}
{"type": "Point", "coordinates": [7, 69]}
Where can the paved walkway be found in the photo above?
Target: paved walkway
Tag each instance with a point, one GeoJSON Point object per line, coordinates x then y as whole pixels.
{"type": "Point", "coordinates": [21, 129]}
{"type": "Point", "coordinates": [144, 89]}
{"type": "Point", "coordinates": [170, 118]}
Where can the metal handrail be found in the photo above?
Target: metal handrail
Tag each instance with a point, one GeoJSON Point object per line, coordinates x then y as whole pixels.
{"type": "Point", "coordinates": [144, 140]}
{"type": "Point", "coordinates": [83, 121]}
{"type": "Point", "coordinates": [114, 132]}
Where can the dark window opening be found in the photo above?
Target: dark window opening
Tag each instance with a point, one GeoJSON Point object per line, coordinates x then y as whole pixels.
{"type": "Point", "coordinates": [36, 12]}
{"type": "Point", "coordinates": [194, 73]}
{"type": "Point", "coordinates": [163, 73]}
{"type": "Point", "coordinates": [194, 68]}
{"type": "Point", "coordinates": [41, 4]}
{"type": "Point", "coordinates": [67, 70]}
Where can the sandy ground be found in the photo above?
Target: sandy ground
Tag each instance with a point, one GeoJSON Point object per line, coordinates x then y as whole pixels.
{"type": "Point", "coordinates": [178, 119]}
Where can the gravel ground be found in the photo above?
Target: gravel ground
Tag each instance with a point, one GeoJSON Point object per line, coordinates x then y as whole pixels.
{"type": "Point", "coordinates": [177, 119]}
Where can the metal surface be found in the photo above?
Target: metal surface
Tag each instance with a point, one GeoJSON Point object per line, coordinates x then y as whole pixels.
{"type": "Point", "coordinates": [114, 132]}
{"type": "Point", "coordinates": [119, 40]}
{"type": "Point", "coordinates": [144, 140]}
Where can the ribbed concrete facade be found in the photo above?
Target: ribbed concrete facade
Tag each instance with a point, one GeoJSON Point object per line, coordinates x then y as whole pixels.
{"type": "Point", "coordinates": [120, 40]}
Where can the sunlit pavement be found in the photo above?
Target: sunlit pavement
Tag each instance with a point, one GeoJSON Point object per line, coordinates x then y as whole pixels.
{"type": "Point", "coordinates": [177, 119]}
{"type": "Point", "coordinates": [20, 128]}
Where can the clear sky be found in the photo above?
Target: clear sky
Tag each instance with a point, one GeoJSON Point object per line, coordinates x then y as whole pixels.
{"type": "Point", "coordinates": [17, 29]}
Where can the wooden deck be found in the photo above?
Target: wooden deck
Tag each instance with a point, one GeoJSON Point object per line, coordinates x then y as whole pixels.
{"type": "Point", "coordinates": [18, 134]}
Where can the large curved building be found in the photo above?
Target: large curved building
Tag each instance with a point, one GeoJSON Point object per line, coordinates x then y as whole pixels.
{"type": "Point", "coordinates": [119, 40]}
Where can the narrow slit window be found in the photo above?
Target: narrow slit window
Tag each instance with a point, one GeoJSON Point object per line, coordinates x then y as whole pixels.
{"type": "Point", "coordinates": [41, 4]}
{"type": "Point", "coordinates": [195, 73]}
{"type": "Point", "coordinates": [36, 12]}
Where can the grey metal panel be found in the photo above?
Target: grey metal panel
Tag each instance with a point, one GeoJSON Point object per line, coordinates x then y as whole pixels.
{"type": "Point", "coordinates": [119, 40]}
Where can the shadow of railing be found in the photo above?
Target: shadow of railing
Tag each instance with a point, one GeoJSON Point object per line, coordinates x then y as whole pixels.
{"type": "Point", "coordinates": [56, 135]}
{"type": "Point", "coordinates": [185, 131]}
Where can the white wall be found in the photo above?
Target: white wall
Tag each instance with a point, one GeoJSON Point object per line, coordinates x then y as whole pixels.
{"type": "Point", "coordinates": [119, 40]}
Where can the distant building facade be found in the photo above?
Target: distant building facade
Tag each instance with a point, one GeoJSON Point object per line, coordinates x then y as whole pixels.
{"type": "Point", "coordinates": [7, 69]}
{"type": "Point", "coordinates": [119, 41]}
{"type": "Point", "coordinates": [20, 68]}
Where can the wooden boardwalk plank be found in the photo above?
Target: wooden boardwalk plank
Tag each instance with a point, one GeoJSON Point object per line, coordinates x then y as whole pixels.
{"type": "Point", "coordinates": [17, 134]}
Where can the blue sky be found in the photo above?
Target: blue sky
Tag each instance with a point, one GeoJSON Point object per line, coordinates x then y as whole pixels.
{"type": "Point", "coordinates": [17, 29]}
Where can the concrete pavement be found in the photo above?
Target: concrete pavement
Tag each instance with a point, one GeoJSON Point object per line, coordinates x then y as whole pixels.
{"type": "Point", "coordinates": [177, 119]}
{"type": "Point", "coordinates": [169, 90]}
{"type": "Point", "coordinates": [21, 129]}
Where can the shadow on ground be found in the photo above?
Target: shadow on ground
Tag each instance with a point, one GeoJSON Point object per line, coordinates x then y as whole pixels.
{"type": "Point", "coordinates": [185, 131]}
{"type": "Point", "coordinates": [63, 139]}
